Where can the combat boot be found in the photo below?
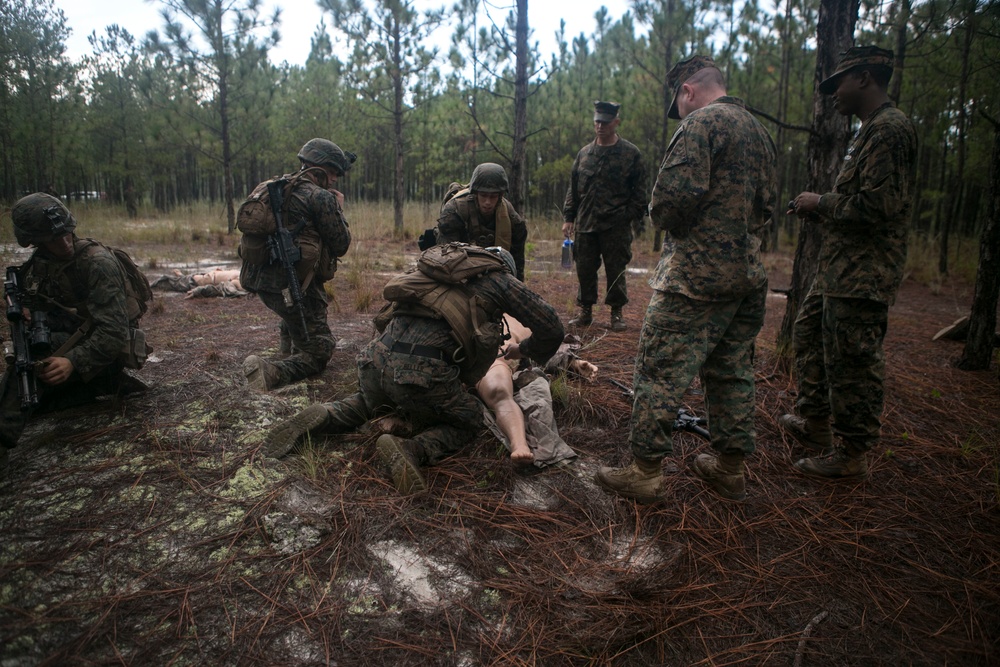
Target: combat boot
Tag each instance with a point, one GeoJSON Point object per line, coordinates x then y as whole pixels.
{"type": "Point", "coordinates": [813, 433]}
{"type": "Point", "coordinates": [641, 481]}
{"type": "Point", "coordinates": [584, 317]}
{"type": "Point", "coordinates": [722, 472]}
{"type": "Point", "coordinates": [617, 321]}
{"type": "Point", "coordinates": [261, 375]}
{"type": "Point", "coordinates": [286, 435]}
{"type": "Point", "coordinates": [840, 464]}
{"type": "Point", "coordinates": [402, 458]}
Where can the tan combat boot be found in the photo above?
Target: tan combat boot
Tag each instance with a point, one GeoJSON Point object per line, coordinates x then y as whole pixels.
{"type": "Point", "coordinates": [641, 481]}
{"type": "Point", "coordinates": [722, 472]}
{"type": "Point", "coordinates": [399, 456]}
{"type": "Point", "coordinates": [261, 375]}
{"type": "Point", "coordinates": [812, 433]}
{"type": "Point", "coordinates": [283, 437]}
{"type": "Point", "coordinates": [584, 317]}
{"type": "Point", "coordinates": [617, 321]}
{"type": "Point", "coordinates": [838, 465]}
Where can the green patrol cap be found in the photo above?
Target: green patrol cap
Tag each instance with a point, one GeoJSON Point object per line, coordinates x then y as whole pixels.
{"type": "Point", "coordinates": [857, 56]}
{"type": "Point", "coordinates": [680, 73]}
{"type": "Point", "coordinates": [606, 111]}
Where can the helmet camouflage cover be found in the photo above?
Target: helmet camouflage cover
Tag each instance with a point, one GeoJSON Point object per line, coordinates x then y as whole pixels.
{"type": "Point", "coordinates": [488, 177]}
{"type": "Point", "coordinates": [39, 218]}
{"type": "Point", "coordinates": [325, 153]}
{"type": "Point", "coordinates": [508, 259]}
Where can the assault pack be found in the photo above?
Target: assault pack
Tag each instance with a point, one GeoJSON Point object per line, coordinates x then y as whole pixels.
{"type": "Point", "coordinates": [438, 287]}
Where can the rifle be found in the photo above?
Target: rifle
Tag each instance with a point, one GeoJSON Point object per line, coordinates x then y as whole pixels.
{"type": "Point", "coordinates": [282, 248]}
{"type": "Point", "coordinates": [30, 341]}
{"type": "Point", "coordinates": [685, 420]}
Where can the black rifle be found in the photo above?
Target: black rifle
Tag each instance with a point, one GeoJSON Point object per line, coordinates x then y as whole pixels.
{"type": "Point", "coordinates": [281, 245]}
{"type": "Point", "coordinates": [685, 420]}
{"type": "Point", "coordinates": [30, 341]}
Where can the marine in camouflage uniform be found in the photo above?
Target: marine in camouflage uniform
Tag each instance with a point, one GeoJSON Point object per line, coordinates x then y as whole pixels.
{"type": "Point", "coordinates": [411, 369]}
{"type": "Point", "coordinates": [75, 282]}
{"type": "Point", "coordinates": [713, 196]}
{"type": "Point", "coordinates": [472, 216]}
{"type": "Point", "coordinates": [841, 324]}
{"type": "Point", "coordinates": [315, 203]}
{"type": "Point", "coordinates": [607, 193]}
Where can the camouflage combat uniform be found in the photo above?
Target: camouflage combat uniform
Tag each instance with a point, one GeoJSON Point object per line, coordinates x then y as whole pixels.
{"type": "Point", "coordinates": [842, 322]}
{"type": "Point", "coordinates": [713, 196]}
{"type": "Point", "coordinates": [321, 212]}
{"type": "Point", "coordinates": [607, 193]}
{"type": "Point", "coordinates": [461, 220]}
{"type": "Point", "coordinates": [93, 284]}
{"type": "Point", "coordinates": [424, 386]}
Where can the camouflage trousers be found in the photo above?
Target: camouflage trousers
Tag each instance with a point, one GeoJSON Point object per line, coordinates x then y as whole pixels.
{"type": "Point", "coordinates": [615, 247]}
{"type": "Point", "coordinates": [424, 391]}
{"type": "Point", "coordinates": [682, 337]}
{"type": "Point", "coordinates": [840, 365]}
{"type": "Point", "coordinates": [307, 358]}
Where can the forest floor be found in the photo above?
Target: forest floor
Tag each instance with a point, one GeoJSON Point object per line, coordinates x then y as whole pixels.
{"type": "Point", "coordinates": [153, 530]}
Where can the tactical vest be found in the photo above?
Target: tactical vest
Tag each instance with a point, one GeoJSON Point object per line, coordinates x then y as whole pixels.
{"type": "Point", "coordinates": [479, 233]}
{"type": "Point", "coordinates": [438, 288]}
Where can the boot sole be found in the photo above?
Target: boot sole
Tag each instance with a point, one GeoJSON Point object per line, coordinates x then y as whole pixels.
{"type": "Point", "coordinates": [405, 474]}
{"type": "Point", "coordinates": [285, 436]}
{"type": "Point", "coordinates": [857, 477]}
{"type": "Point", "coordinates": [252, 368]}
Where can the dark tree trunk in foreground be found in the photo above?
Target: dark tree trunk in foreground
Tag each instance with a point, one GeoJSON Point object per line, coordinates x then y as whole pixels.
{"type": "Point", "coordinates": [983, 319]}
{"type": "Point", "coordinates": [519, 150]}
{"type": "Point", "coordinates": [827, 144]}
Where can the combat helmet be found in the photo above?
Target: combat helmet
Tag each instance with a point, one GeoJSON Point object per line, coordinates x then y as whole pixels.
{"type": "Point", "coordinates": [488, 177]}
{"type": "Point", "coordinates": [39, 218]}
{"type": "Point", "coordinates": [508, 259]}
{"type": "Point", "coordinates": [325, 153]}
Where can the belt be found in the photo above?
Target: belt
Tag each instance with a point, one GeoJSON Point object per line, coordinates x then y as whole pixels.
{"type": "Point", "coordinates": [414, 349]}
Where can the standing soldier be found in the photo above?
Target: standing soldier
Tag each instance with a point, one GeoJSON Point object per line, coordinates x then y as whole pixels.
{"type": "Point", "coordinates": [713, 196]}
{"type": "Point", "coordinates": [607, 193]}
{"type": "Point", "coordinates": [313, 209]}
{"type": "Point", "coordinates": [839, 363]}
{"type": "Point", "coordinates": [74, 291]}
{"type": "Point", "coordinates": [482, 215]}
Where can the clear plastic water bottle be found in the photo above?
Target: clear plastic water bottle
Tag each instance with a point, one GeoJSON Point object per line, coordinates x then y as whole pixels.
{"type": "Point", "coordinates": [567, 254]}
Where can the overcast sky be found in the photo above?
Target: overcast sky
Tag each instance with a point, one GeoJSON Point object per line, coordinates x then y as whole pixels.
{"type": "Point", "coordinates": [299, 19]}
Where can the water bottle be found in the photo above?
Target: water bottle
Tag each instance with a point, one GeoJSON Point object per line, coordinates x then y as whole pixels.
{"type": "Point", "coordinates": [567, 254]}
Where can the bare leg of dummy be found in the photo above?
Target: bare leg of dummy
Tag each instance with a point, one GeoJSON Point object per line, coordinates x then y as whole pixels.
{"type": "Point", "coordinates": [496, 390]}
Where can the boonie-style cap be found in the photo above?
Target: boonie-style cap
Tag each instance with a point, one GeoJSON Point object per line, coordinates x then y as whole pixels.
{"type": "Point", "coordinates": [606, 111]}
{"type": "Point", "coordinates": [856, 56]}
{"type": "Point", "coordinates": [680, 73]}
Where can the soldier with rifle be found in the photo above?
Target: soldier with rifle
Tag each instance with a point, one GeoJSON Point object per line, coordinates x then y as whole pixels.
{"type": "Point", "coordinates": [287, 262]}
{"type": "Point", "coordinates": [72, 320]}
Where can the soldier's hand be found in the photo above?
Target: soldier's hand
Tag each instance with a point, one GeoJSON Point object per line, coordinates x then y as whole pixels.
{"type": "Point", "coordinates": [511, 351]}
{"type": "Point", "coordinates": [804, 204]}
{"type": "Point", "coordinates": [54, 370]}
{"type": "Point", "coordinates": [567, 230]}
{"type": "Point", "coordinates": [340, 197]}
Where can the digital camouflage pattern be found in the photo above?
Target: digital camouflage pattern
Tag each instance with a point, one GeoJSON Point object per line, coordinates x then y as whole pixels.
{"type": "Point", "coordinates": [92, 284]}
{"type": "Point", "coordinates": [681, 338]}
{"type": "Point", "coordinates": [713, 196]}
{"type": "Point", "coordinates": [319, 209]}
{"type": "Point", "coordinates": [607, 187]}
{"type": "Point", "coordinates": [607, 193]}
{"type": "Point", "coordinates": [841, 324]}
{"type": "Point", "coordinates": [840, 365]}
{"type": "Point", "coordinates": [460, 220]}
{"type": "Point", "coordinates": [427, 391]}
{"type": "Point", "coordinates": [866, 217]}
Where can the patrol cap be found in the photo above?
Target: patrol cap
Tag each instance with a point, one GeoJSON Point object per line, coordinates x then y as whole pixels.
{"type": "Point", "coordinates": [606, 111]}
{"type": "Point", "coordinates": [39, 218]}
{"type": "Point", "coordinates": [680, 73]}
{"type": "Point", "coordinates": [854, 57]}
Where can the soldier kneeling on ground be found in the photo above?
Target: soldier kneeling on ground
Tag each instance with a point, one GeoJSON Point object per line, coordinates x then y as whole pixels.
{"type": "Point", "coordinates": [74, 309]}
{"type": "Point", "coordinates": [439, 337]}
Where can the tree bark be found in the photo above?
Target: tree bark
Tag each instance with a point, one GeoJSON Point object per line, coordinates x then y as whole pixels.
{"type": "Point", "coordinates": [827, 144]}
{"type": "Point", "coordinates": [979, 344]}
{"type": "Point", "coordinates": [520, 108]}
